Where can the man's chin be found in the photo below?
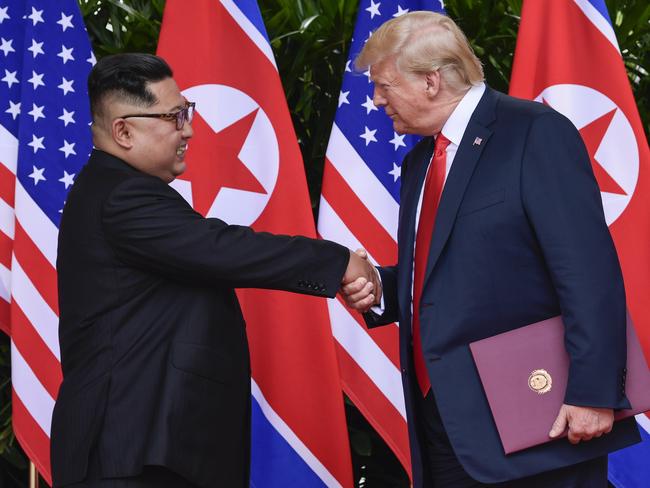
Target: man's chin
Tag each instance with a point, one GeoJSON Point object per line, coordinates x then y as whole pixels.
{"type": "Point", "coordinates": [402, 129]}
{"type": "Point", "coordinates": [179, 169]}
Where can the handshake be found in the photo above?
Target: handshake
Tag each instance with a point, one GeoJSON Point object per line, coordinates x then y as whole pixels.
{"type": "Point", "coordinates": [361, 285]}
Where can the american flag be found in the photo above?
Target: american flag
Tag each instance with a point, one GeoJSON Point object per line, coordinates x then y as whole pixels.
{"type": "Point", "coordinates": [359, 208]}
{"type": "Point", "coordinates": [45, 58]}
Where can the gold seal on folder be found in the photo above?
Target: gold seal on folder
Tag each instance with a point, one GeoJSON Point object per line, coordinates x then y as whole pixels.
{"type": "Point", "coordinates": [540, 381]}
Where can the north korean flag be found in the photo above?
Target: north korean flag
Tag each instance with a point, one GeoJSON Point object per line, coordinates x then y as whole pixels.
{"type": "Point", "coordinates": [245, 167]}
{"type": "Point", "coordinates": [567, 57]}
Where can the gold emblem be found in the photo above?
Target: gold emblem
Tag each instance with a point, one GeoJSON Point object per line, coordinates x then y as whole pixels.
{"type": "Point", "coordinates": [540, 381]}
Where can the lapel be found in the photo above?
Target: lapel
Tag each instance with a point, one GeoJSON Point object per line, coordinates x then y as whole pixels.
{"type": "Point", "coordinates": [461, 172]}
{"type": "Point", "coordinates": [409, 202]}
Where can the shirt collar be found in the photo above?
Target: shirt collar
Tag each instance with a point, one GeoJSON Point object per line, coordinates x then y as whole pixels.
{"type": "Point", "coordinates": [457, 122]}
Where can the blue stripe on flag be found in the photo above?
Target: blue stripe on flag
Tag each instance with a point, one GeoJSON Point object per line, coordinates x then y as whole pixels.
{"type": "Point", "coordinates": [252, 12]}
{"type": "Point", "coordinates": [274, 463]}
{"type": "Point", "coordinates": [602, 8]}
{"type": "Point", "coordinates": [630, 467]}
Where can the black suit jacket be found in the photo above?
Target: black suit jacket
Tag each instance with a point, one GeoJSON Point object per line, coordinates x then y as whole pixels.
{"type": "Point", "coordinates": [153, 343]}
{"type": "Point", "coordinates": [519, 237]}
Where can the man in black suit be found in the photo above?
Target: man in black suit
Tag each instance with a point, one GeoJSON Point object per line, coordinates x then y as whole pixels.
{"type": "Point", "coordinates": [156, 375]}
{"type": "Point", "coordinates": [500, 225]}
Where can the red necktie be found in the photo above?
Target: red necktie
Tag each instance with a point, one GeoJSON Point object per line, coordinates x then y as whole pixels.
{"type": "Point", "coordinates": [432, 192]}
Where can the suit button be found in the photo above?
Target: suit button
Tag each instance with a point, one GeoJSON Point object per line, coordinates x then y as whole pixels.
{"type": "Point", "coordinates": [301, 283]}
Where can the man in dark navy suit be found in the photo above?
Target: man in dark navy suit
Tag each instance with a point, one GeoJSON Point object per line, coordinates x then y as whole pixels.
{"type": "Point", "coordinates": [500, 225]}
{"type": "Point", "coordinates": [156, 372]}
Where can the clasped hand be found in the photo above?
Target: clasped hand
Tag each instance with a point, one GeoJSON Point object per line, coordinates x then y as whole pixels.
{"type": "Point", "coordinates": [361, 285]}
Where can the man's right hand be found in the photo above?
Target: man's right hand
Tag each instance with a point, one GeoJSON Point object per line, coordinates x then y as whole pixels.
{"type": "Point", "coordinates": [361, 285]}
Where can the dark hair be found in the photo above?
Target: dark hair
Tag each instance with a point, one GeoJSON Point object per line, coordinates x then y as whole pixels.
{"type": "Point", "coordinates": [126, 75]}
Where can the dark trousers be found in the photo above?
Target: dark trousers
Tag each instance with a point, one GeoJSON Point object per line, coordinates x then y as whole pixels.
{"type": "Point", "coordinates": [151, 477]}
{"type": "Point", "coordinates": [443, 470]}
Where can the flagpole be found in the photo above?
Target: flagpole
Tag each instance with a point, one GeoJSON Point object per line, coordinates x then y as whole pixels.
{"type": "Point", "coordinates": [33, 475]}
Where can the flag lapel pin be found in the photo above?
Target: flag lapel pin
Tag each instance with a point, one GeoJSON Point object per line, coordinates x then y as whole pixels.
{"type": "Point", "coordinates": [477, 141]}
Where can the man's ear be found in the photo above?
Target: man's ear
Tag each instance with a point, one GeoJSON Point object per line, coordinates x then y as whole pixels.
{"type": "Point", "coordinates": [433, 83]}
{"type": "Point", "coordinates": [121, 132]}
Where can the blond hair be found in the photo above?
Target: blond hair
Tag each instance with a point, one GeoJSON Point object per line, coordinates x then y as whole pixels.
{"type": "Point", "coordinates": [423, 42]}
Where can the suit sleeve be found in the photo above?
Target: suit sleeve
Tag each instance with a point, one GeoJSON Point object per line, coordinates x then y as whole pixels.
{"type": "Point", "coordinates": [151, 227]}
{"type": "Point", "coordinates": [389, 292]}
{"type": "Point", "coordinates": [562, 202]}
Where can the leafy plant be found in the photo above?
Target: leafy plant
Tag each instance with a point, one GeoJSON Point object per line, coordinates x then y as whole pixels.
{"type": "Point", "coordinates": [631, 19]}
{"type": "Point", "coordinates": [117, 26]}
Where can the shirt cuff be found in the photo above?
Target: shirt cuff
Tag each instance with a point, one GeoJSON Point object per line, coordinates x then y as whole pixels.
{"type": "Point", "coordinates": [381, 308]}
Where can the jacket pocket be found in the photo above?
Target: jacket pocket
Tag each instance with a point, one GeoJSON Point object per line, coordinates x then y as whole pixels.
{"type": "Point", "coordinates": [481, 202]}
{"type": "Point", "coordinates": [203, 361]}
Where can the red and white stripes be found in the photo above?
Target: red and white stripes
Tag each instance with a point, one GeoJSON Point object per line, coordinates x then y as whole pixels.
{"type": "Point", "coordinates": [28, 307]}
{"type": "Point", "coordinates": [357, 211]}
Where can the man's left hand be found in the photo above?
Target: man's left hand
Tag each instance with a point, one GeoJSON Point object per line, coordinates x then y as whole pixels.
{"type": "Point", "coordinates": [584, 423]}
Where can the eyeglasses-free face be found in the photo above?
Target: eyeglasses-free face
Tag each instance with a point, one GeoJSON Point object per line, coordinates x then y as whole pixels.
{"type": "Point", "coordinates": [186, 114]}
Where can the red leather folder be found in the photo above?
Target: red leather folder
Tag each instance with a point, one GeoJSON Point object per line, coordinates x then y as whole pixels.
{"type": "Point", "coordinates": [524, 375]}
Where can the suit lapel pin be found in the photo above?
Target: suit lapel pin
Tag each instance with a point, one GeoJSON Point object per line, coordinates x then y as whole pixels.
{"type": "Point", "coordinates": [477, 141]}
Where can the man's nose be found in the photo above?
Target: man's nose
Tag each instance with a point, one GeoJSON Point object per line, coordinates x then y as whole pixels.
{"type": "Point", "coordinates": [187, 130]}
{"type": "Point", "coordinates": [378, 99]}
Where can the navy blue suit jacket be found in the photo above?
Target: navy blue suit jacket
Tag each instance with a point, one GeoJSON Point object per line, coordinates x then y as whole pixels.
{"type": "Point", "coordinates": [519, 237]}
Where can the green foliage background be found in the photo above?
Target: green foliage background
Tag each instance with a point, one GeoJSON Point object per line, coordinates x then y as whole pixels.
{"type": "Point", "coordinates": [310, 40]}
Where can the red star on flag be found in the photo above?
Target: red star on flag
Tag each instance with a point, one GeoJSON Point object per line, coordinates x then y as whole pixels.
{"type": "Point", "coordinates": [213, 162]}
{"type": "Point", "coordinates": [593, 134]}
